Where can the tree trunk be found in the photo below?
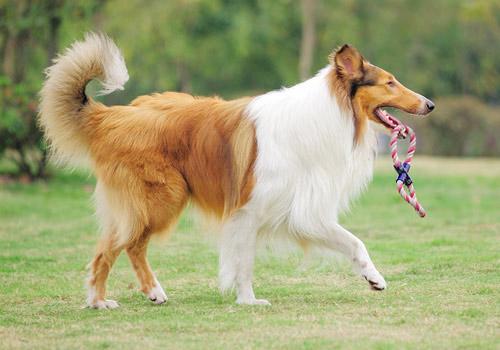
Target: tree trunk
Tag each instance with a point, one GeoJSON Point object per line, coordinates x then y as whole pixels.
{"type": "Point", "coordinates": [3, 34]}
{"type": "Point", "coordinates": [41, 172]}
{"type": "Point", "coordinates": [308, 37]}
{"type": "Point", "coordinates": [9, 56]}
{"type": "Point", "coordinates": [16, 41]}
{"type": "Point", "coordinates": [54, 24]}
{"type": "Point", "coordinates": [22, 41]}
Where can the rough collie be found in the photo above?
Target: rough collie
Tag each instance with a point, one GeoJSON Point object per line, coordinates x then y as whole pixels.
{"type": "Point", "coordinates": [285, 162]}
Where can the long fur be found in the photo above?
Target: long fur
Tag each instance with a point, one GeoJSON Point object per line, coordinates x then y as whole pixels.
{"type": "Point", "coordinates": [63, 92]}
{"type": "Point", "coordinates": [151, 155]}
{"type": "Point", "coordinates": [308, 168]}
{"type": "Point", "coordinates": [283, 163]}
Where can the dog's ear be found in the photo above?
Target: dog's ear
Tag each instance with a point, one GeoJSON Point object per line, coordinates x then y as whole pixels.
{"type": "Point", "coordinates": [348, 63]}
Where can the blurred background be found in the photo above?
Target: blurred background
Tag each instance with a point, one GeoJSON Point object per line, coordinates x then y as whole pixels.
{"type": "Point", "coordinates": [448, 50]}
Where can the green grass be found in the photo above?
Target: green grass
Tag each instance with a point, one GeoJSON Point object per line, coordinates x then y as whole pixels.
{"type": "Point", "coordinates": [442, 272]}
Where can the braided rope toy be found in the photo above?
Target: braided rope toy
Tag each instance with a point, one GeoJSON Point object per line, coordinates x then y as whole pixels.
{"type": "Point", "coordinates": [402, 168]}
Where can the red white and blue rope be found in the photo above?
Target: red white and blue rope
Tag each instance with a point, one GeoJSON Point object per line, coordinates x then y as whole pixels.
{"type": "Point", "coordinates": [402, 131]}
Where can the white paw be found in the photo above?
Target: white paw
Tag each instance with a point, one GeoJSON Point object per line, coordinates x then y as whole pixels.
{"type": "Point", "coordinates": [103, 304]}
{"type": "Point", "coordinates": [375, 279]}
{"type": "Point", "coordinates": [157, 295]}
{"type": "Point", "coordinates": [252, 302]}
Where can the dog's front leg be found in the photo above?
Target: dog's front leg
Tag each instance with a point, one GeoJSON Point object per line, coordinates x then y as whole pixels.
{"type": "Point", "coordinates": [237, 255]}
{"type": "Point", "coordinates": [343, 241]}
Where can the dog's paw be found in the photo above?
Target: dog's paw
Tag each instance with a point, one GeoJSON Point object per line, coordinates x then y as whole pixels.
{"type": "Point", "coordinates": [103, 304]}
{"type": "Point", "coordinates": [252, 302]}
{"type": "Point", "coordinates": [157, 295]}
{"type": "Point", "coordinates": [375, 279]}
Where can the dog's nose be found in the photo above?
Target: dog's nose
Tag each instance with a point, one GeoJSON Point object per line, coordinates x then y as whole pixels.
{"type": "Point", "coordinates": [430, 105]}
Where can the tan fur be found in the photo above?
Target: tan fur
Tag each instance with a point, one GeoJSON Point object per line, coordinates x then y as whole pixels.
{"type": "Point", "coordinates": [149, 157]}
{"type": "Point", "coordinates": [164, 148]}
{"type": "Point", "coordinates": [339, 84]}
{"type": "Point", "coordinates": [340, 91]}
{"type": "Point", "coordinates": [138, 258]}
{"type": "Point", "coordinates": [101, 265]}
{"type": "Point", "coordinates": [152, 156]}
{"type": "Point", "coordinates": [350, 68]}
{"type": "Point", "coordinates": [382, 95]}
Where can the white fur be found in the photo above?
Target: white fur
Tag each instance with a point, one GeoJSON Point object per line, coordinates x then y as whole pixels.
{"type": "Point", "coordinates": [93, 303]}
{"type": "Point", "coordinates": [157, 295]}
{"type": "Point", "coordinates": [308, 169]}
{"type": "Point", "coordinates": [105, 304]}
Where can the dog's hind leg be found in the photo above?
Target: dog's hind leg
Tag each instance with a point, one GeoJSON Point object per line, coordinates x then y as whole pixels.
{"type": "Point", "coordinates": [149, 284]}
{"type": "Point", "coordinates": [237, 255]}
{"type": "Point", "coordinates": [114, 222]}
{"type": "Point", "coordinates": [164, 203]}
{"type": "Point", "coordinates": [343, 241]}
{"type": "Point", "coordinates": [107, 252]}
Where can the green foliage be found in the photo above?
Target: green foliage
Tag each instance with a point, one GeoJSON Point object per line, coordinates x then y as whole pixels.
{"type": "Point", "coordinates": [462, 126]}
{"type": "Point", "coordinates": [18, 108]}
{"type": "Point", "coordinates": [21, 139]}
{"type": "Point", "coordinates": [207, 47]}
{"type": "Point", "coordinates": [233, 48]}
{"type": "Point", "coordinates": [29, 37]}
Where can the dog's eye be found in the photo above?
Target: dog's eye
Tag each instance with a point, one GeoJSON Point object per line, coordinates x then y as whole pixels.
{"type": "Point", "coordinates": [391, 83]}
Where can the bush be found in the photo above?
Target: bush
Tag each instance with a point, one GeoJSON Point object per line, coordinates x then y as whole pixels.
{"type": "Point", "coordinates": [20, 139]}
{"type": "Point", "coordinates": [460, 126]}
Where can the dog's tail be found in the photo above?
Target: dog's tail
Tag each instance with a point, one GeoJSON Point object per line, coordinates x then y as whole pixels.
{"type": "Point", "coordinates": [64, 105]}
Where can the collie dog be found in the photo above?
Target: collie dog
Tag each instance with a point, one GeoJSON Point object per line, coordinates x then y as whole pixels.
{"type": "Point", "coordinates": [285, 162]}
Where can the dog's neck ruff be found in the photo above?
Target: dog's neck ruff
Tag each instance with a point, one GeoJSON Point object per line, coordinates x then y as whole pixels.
{"type": "Point", "coordinates": [308, 168]}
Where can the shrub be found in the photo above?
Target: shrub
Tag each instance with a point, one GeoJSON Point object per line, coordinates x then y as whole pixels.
{"type": "Point", "coordinates": [20, 139]}
{"type": "Point", "coordinates": [460, 126]}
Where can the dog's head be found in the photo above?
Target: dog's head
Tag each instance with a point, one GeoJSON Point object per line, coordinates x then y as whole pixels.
{"type": "Point", "coordinates": [370, 88]}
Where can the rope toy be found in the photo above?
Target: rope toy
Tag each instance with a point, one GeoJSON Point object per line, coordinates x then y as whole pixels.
{"type": "Point", "coordinates": [402, 168]}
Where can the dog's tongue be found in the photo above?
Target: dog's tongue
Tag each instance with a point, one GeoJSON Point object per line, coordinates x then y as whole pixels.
{"type": "Point", "coordinates": [392, 121]}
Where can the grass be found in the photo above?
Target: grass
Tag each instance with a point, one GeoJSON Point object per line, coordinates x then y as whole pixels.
{"type": "Point", "coordinates": [442, 271]}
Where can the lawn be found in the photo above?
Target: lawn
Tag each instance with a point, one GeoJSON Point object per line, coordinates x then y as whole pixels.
{"type": "Point", "coordinates": [442, 273]}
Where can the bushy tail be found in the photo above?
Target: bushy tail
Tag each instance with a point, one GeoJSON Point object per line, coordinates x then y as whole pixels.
{"type": "Point", "coordinates": [63, 104]}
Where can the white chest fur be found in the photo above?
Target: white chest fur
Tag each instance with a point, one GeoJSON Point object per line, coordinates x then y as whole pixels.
{"type": "Point", "coordinates": [308, 168]}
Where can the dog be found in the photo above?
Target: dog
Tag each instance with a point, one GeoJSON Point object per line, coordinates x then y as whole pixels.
{"type": "Point", "coordinates": [285, 162]}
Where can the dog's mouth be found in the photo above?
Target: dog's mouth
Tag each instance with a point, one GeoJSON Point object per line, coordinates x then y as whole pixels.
{"type": "Point", "coordinates": [387, 119]}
